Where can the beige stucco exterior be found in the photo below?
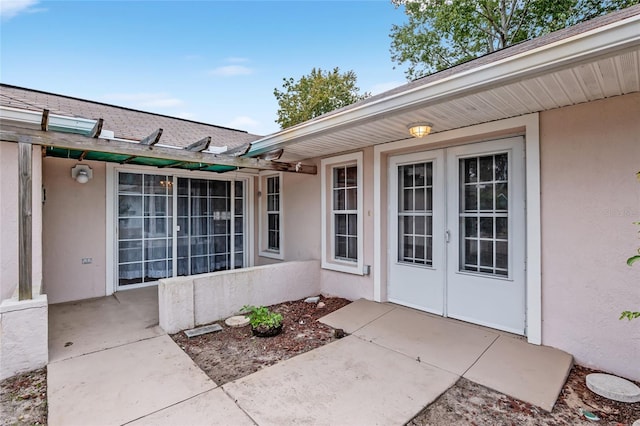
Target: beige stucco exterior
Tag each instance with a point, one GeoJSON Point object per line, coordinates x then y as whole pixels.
{"type": "Point", "coordinates": [74, 228]}
{"type": "Point", "coordinates": [590, 154]}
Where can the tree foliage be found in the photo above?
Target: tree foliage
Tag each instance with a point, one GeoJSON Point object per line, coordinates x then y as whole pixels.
{"type": "Point", "coordinates": [443, 33]}
{"type": "Point", "coordinates": [315, 94]}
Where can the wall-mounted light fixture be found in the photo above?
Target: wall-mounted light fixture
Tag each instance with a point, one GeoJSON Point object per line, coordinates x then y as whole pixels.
{"type": "Point", "coordinates": [82, 173]}
{"type": "Point", "coordinates": [420, 129]}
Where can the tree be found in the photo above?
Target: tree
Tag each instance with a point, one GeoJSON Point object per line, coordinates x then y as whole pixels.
{"type": "Point", "coordinates": [443, 33]}
{"type": "Point", "coordinates": [315, 94]}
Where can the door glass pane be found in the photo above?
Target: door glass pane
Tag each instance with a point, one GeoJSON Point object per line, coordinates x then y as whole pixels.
{"type": "Point", "coordinates": [144, 223]}
{"type": "Point", "coordinates": [484, 218]}
{"type": "Point", "coordinates": [415, 213]}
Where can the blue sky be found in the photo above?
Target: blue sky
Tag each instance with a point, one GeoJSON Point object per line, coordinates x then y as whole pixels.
{"type": "Point", "coordinates": [211, 61]}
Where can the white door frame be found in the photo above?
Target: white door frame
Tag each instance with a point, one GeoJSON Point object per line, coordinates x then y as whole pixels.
{"type": "Point", "coordinates": [527, 126]}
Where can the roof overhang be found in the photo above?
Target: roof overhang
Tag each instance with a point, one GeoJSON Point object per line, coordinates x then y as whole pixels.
{"type": "Point", "coordinates": [596, 64]}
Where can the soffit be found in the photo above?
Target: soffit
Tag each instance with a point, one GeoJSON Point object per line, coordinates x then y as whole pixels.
{"type": "Point", "coordinates": [599, 78]}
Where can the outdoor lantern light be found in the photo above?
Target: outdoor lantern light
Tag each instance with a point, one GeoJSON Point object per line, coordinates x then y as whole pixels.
{"type": "Point", "coordinates": [420, 129]}
{"type": "Point", "coordinates": [82, 173]}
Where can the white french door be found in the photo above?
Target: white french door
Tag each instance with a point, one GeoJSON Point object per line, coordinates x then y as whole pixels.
{"type": "Point", "coordinates": [473, 263]}
{"type": "Point", "coordinates": [417, 262]}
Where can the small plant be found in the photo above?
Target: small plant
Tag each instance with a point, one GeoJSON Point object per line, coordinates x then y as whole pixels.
{"type": "Point", "coordinates": [261, 318]}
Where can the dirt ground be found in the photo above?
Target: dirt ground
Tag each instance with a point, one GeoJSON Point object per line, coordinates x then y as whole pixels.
{"type": "Point", "coordinates": [23, 399]}
{"type": "Point", "coordinates": [233, 353]}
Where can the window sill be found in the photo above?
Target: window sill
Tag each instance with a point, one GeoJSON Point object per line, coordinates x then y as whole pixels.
{"type": "Point", "coordinates": [347, 268]}
{"type": "Point", "coordinates": [272, 255]}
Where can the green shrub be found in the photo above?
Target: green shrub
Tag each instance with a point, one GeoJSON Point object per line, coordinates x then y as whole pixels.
{"type": "Point", "coordinates": [261, 317]}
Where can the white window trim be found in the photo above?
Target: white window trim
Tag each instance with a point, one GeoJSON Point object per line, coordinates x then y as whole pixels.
{"type": "Point", "coordinates": [527, 125]}
{"type": "Point", "coordinates": [111, 205]}
{"type": "Point", "coordinates": [327, 239]}
{"type": "Point", "coordinates": [263, 228]}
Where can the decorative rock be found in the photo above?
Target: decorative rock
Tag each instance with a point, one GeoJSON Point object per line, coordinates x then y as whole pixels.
{"type": "Point", "coordinates": [314, 299]}
{"type": "Point", "coordinates": [613, 387]}
{"type": "Point", "coordinates": [636, 423]}
{"type": "Point", "coordinates": [202, 330]}
{"type": "Point", "coordinates": [237, 321]}
{"type": "Point", "coordinates": [321, 305]}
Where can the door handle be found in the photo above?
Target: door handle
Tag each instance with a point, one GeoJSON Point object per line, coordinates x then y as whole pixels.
{"type": "Point", "coordinates": [447, 235]}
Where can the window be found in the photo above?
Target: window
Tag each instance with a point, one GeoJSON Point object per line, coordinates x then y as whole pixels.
{"type": "Point", "coordinates": [342, 229]}
{"type": "Point", "coordinates": [271, 232]}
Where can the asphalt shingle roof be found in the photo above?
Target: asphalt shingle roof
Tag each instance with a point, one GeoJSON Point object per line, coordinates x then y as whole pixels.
{"type": "Point", "coordinates": [124, 122]}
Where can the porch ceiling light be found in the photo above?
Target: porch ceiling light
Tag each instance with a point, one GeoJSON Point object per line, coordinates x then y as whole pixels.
{"type": "Point", "coordinates": [420, 129]}
{"type": "Point", "coordinates": [82, 173]}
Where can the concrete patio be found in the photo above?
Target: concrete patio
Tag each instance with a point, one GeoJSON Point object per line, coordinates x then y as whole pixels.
{"type": "Point", "coordinates": [122, 369]}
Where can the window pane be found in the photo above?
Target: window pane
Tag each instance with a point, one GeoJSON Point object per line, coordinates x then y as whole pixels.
{"type": "Point", "coordinates": [419, 200]}
{"type": "Point", "coordinates": [339, 177]}
{"type": "Point", "coordinates": [130, 183]}
{"type": "Point", "coordinates": [352, 224]}
{"type": "Point", "coordinates": [352, 199]}
{"type": "Point", "coordinates": [486, 253]}
{"type": "Point", "coordinates": [157, 249]}
{"type": "Point", "coordinates": [502, 196]}
{"type": "Point", "coordinates": [470, 201]}
{"type": "Point", "coordinates": [352, 248]}
{"type": "Point", "coordinates": [154, 184]}
{"type": "Point", "coordinates": [502, 255]}
{"type": "Point", "coordinates": [199, 187]}
{"type": "Point", "coordinates": [129, 205]}
{"type": "Point", "coordinates": [352, 176]}
{"type": "Point", "coordinates": [501, 167]}
{"type": "Point", "coordinates": [130, 251]}
{"type": "Point", "coordinates": [419, 173]}
{"type": "Point", "coordinates": [155, 206]}
{"type": "Point", "coordinates": [486, 227]}
{"type": "Point", "coordinates": [407, 200]}
{"type": "Point", "coordinates": [471, 227]}
{"type": "Point", "coordinates": [341, 247]}
{"type": "Point", "coordinates": [130, 273]}
{"type": "Point", "coordinates": [220, 188]}
{"type": "Point", "coordinates": [486, 169]}
{"type": "Point", "coordinates": [129, 229]}
{"type": "Point", "coordinates": [486, 197]}
{"type": "Point", "coordinates": [341, 224]}
{"type": "Point", "coordinates": [239, 189]}
{"type": "Point", "coordinates": [470, 170]}
{"type": "Point", "coordinates": [406, 176]}
{"type": "Point", "coordinates": [502, 228]}
{"type": "Point", "coordinates": [339, 199]}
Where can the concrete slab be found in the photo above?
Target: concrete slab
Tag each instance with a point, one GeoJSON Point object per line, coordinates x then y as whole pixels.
{"type": "Point", "coordinates": [613, 387]}
{"type": "Point", "coordinates": [534, 374]}
{"type": "Point", "coordinates": [122, 384]}
{"type": "Point", "coordinates": [447, 344]}
{"type": "Point", "coordinates": [356, 315]}
{"type": "Point", "coordinates": [213, 408]}
{"type": "Point", "coordinates": [107, 322]}
{"type": "Point", "coordinates": [347, 382]}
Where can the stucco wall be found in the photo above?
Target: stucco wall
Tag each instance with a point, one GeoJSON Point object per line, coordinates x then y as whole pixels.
{"type": "Point", "coordinates": [73, 229]}
{"type": "Point", "coordinates": [9, 220]}
{"type": "Point", "coordinates": [590, 154]}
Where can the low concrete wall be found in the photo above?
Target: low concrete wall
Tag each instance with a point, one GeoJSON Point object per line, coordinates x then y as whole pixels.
{"type": "Point", "coordinates": [23, 335]}
{"type": "Point", "coordinates": [185, 302]}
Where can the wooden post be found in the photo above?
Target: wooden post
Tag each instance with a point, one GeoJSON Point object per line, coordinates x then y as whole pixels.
{"type": "Point", "coordinates": [24, 221]}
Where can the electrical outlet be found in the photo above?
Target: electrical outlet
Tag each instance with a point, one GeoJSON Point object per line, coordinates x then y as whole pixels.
{"type": "Point", "coordinates": [87, 260]}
